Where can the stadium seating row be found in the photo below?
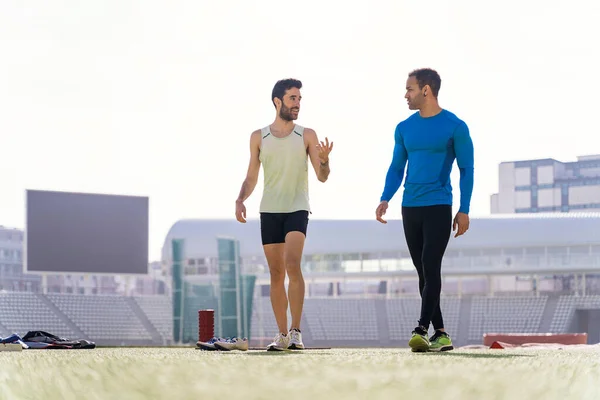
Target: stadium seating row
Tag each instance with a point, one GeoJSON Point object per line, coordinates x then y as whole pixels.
{"type": "Point", "coordinates": [109, 319]}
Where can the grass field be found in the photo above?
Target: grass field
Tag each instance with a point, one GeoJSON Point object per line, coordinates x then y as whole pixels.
{"type": "Point", "coordinates": [178, 374]}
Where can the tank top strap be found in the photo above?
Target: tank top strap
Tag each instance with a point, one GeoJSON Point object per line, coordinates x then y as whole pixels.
{"type": "Point", "coordinates": [264, 132]}
{"type": "Point", "coordinates": [298, 130]}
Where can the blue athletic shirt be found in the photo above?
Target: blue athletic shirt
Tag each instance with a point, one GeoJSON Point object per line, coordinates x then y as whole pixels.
{"type": "Point", "coordinates": [430, 145]}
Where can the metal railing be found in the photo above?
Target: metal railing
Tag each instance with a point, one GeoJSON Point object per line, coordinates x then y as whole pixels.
{"type": "Point", "coordinates": [463, 263]}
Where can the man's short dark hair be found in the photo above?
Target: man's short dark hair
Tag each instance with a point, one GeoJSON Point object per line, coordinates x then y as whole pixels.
{"type": "Point", "coordinates": [282, 86]}
{"type": "Point", "coordinates": [427, 76]}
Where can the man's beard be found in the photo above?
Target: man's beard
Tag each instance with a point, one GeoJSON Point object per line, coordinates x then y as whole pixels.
{"type": "Point", "coordinates": [286, 114]}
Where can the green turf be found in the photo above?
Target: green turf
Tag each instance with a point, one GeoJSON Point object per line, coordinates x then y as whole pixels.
{"type": "Point", "coordinates": [178, 374]}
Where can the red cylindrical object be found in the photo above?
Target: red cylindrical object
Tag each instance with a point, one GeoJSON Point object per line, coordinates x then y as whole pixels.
{"type": "Point", "coordinates": [206, 325]}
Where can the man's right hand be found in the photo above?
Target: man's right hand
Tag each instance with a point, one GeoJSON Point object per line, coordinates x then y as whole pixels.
{"type": "Point", "coordinates": [380, 212]}
{"type": "Point", "coordinates": [240, 211]}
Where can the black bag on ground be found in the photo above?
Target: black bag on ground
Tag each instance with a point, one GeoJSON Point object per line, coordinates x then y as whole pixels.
{"type": "Point", "coordinates": [56, 342]}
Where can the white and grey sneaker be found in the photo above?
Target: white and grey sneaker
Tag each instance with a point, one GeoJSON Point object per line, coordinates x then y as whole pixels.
{"type": "Point", "coordinates": [232, 344]}
{"type": "Point", "coordinates": [295, 340]}
{"type": "Point", "coordinates": [280, 343]}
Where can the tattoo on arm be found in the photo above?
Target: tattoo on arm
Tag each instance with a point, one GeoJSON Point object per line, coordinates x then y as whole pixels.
{"type": "Point", "coordinates": [242, 195]}
{"type": "Point", "coordinates": [324, 170]}
{"type": "Point", "coordinates": [246, 190]}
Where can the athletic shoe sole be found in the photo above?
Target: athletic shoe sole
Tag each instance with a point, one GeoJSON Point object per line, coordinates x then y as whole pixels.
{"type": "Point", "coordinates": [205, 348]}
{"type": "Point", "coordinates": [273, 348]}
{"type": "Point", "coordinates": [443, 348]}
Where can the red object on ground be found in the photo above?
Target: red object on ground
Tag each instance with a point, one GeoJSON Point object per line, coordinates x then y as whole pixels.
{"type": "Point", "coordinates": [504, 340]}
{"type": "Point", "coordinates": [206, 325]}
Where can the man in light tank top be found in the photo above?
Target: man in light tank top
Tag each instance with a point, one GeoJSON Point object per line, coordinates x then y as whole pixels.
{"type": "Point", "coordinates": [283, 148]}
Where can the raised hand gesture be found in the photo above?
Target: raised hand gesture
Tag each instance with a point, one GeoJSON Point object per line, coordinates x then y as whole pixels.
{"type": "Point", "coordinates": [324, 150]}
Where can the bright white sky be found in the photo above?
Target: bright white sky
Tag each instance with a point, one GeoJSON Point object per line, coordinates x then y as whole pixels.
{"type": "Point", "coordinates": [159, 98]}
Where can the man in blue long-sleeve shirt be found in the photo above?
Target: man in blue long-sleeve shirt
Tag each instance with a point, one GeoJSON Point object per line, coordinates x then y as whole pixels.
{"type": "Point", "coordinates": [429, 140]}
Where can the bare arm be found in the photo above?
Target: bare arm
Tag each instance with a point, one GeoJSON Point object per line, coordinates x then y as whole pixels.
{"type": "Point", "coordinates": [253, 168]}
{"type": "Point", "coordinates": [320, 166]}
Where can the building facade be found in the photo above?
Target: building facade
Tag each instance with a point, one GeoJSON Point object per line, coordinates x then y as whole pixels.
{"type": "Point", "coordinates": [12, 277]}
{"type": "Point", "coordinates": [11, 261]}
{"type": "Point", "coordinates": [364, 256]}
{"type": "Point", "coordinates": [548, 185]}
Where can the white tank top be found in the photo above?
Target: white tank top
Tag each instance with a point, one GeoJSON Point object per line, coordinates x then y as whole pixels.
{"type": "Point", "coordinates": [285, 170]}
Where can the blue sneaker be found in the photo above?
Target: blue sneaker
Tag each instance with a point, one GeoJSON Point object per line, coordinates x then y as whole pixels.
{"type": "Point", "coordinates": [14, 339]}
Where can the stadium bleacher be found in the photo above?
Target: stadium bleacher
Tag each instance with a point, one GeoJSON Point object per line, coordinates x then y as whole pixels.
{"type": "Point", "coordinates": [377, 322]}
{"type": "Point", "coordinates": [342, 319]}
{"type": "Point", "coordinates": [105, 317]}
{"type": "Point", "coordinates": [566, 308]}
{"type": "Point", "coordinates": [159, 310]}
{"type": "Point", "coordinates": [22, 311]}
{"type": "Point", "coordinates": [520, 314]}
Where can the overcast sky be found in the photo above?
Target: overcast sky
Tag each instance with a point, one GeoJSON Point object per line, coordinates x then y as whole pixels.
{"type": "Point", "coordinates": [159, 98]}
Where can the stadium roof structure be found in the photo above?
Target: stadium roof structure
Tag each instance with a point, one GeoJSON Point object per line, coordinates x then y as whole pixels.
{"type": "Point", "coordinates": [370, 236]}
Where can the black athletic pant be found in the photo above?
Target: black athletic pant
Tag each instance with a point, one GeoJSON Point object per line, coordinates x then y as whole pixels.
{"type": "Point", "coordinates": [427, 230]}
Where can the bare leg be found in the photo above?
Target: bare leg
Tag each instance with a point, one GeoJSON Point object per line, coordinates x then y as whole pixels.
{"type": "Point", "coordinates": [275, 258]}
{"type": "Point", "coordinates": [294, 245]}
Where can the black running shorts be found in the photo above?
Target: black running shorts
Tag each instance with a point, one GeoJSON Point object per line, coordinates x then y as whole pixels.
{"type": "Point", "coordinates": [275, 226]}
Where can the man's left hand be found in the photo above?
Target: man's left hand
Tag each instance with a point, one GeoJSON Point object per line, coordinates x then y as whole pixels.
{"type": "Point", "coordinates": [324, 150]}
{"type": "Point", "coordinates": [461, 221]}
